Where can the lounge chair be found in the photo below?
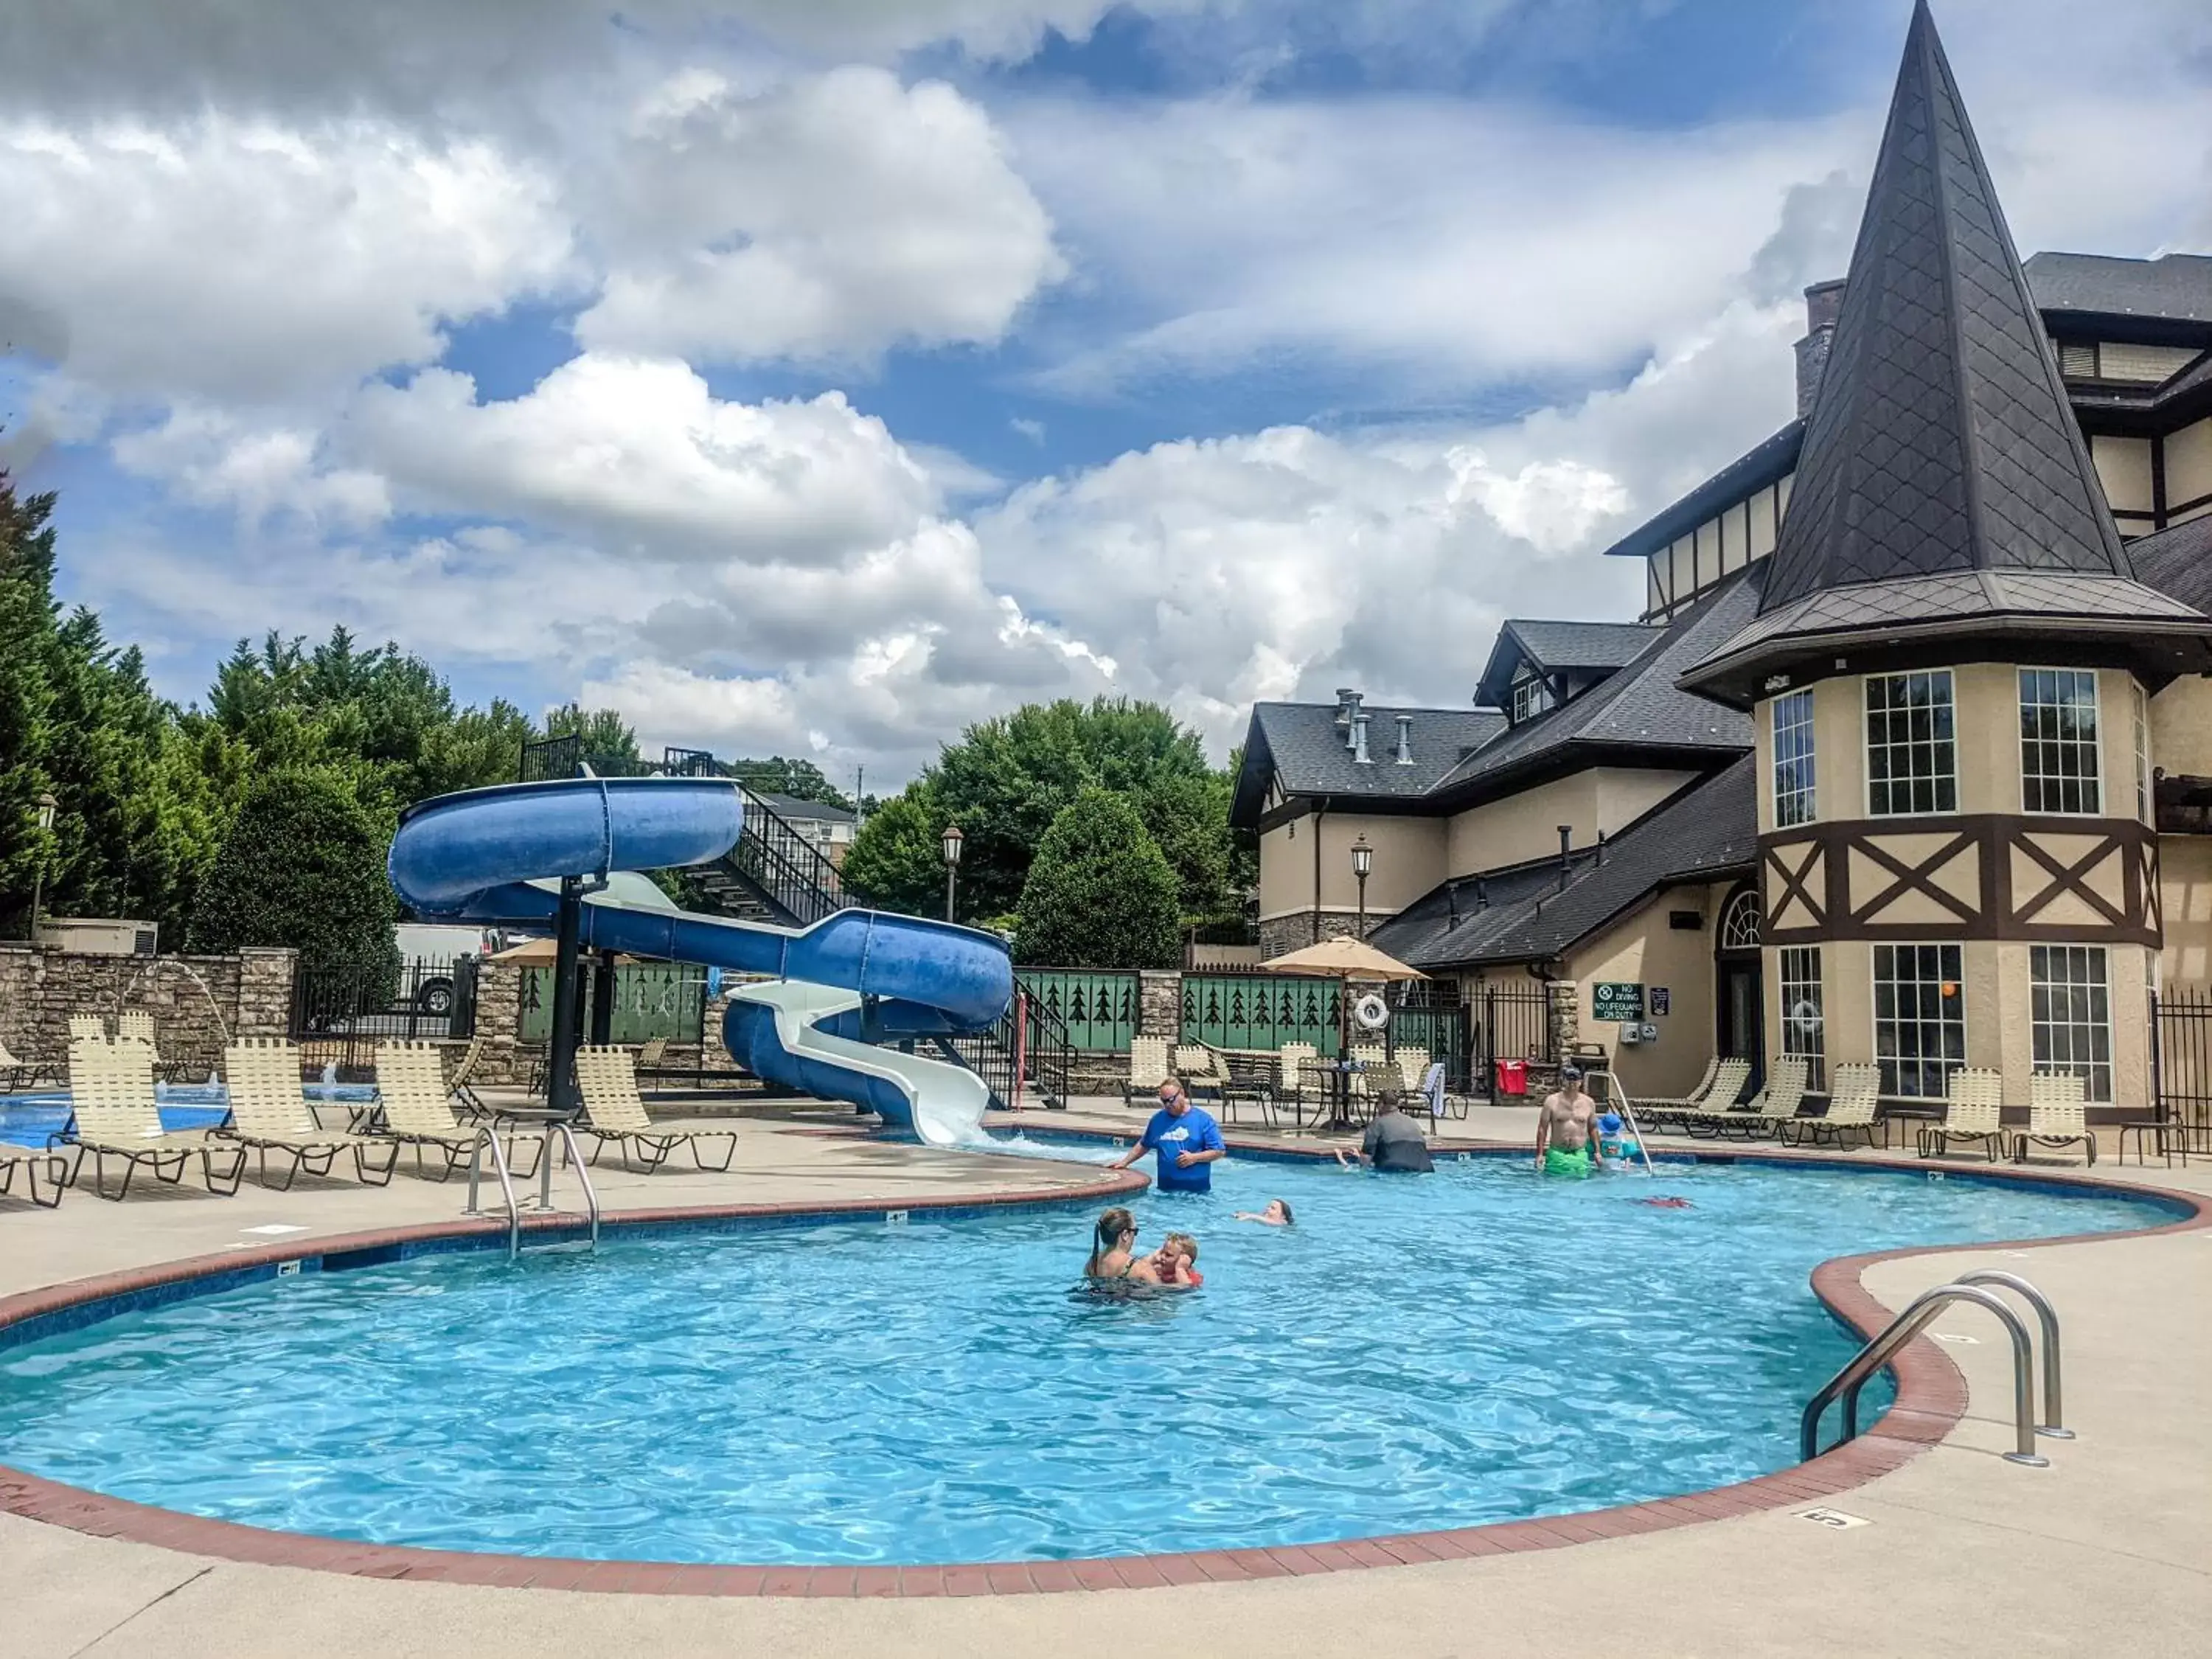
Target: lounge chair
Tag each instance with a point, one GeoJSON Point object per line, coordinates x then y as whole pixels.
{"type": "Point", "coordinates": [2056, 1116]}
{"type": "Point", "coordinates": [1775, 1106]}
{"type": "Point", "coordinates": [410, 1088]}
{"type": "Point", "coordinates": [1148, 1067]}
{"type": "Point", "coordinates": [1290, 1071]}
{"type": "Point", "coordinates": [1715, 1093]}
{"type": "Point", "coordinates": [607, 1075]}
{"type": "Point", "coordinates": [23, 1074]}
{"type": "Point", "coordinates": [460, 1090]}
{"type": "Point", "coordinates": [1854, 1097]}
{"type": "Point", "coordinates": [30, 1159]}
{"type": "Point", "coordinates": [1199, 1068]}
{"type": "Point", "coordinates": [136, 1025]}
{"type": "Point", "coordinates": [85, 1028]}
{"type": "Point", "coordinates": [1973, 1110]}
{"type": "Point", "coordinates": [114, 1114]}
{"type": "Point", "coordinates": [268, 1114]}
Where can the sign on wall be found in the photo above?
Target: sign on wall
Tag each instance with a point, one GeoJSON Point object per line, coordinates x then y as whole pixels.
{"type": "Point", "coordinates": [1611, 1001]}
{"type": "Point", "coordinates": [1660, 997]}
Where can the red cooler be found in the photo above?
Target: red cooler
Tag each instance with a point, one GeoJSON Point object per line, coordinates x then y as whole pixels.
{"type": "Point", "coordinates": [1512, 1076]}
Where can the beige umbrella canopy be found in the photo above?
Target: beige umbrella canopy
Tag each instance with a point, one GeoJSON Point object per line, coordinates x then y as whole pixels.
{"type": "Point", "coordinates": [542, 952]}
{"type": "Point", "coordinates": [1346, 958]}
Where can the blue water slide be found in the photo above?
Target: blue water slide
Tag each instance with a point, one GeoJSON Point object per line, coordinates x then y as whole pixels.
{"type": "Point", "coordinates": [840, 986]}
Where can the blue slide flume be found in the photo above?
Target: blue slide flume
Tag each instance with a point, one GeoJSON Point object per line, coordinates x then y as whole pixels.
{"type": "Point", "coordinates": [840, 987]}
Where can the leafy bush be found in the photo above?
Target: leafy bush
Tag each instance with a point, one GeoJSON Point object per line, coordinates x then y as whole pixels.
{"type": "Point", "coordinates": [303, 866]}
{"type": "Point", "coordinates": [1100, 893]}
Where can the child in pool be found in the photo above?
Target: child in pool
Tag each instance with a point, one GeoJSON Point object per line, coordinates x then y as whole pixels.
{"type": "Point", "coordinates": [1177, 1262]}
{"type": "Point", "coordinates": [1277, 1214]}
{"type": "Point", "coordinates": [1612, 1137]}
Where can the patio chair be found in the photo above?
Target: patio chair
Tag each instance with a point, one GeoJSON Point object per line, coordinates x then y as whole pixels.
{"type": "Point", "coordinates": [1199, 1068]}
{"type": "Point", "coordinates": [1854, 1097]}
{"type": "Point", "coordinates": [1723, 1082]}
{"type": "Point", "coordinates": [1290, 1071]}
{"type": "Point", "coordinates": [410, 1088]}
{"type": "Point", "coordinates": [87, 1028]}
{"type": "Point", "coordinates": [30, 1160]}
{"type": "Point", "coordinates": [648, 1056]}
{"type": "Point", "coordinates": [1659, 1107]}
{"type": "Point", "coordinates": [114, 1114]}
{"type": "Point", "coordinates": [268, 1114]}
{"type": "Point", "coordinates": [1973, 1110]}
{"type": "Point", "coordinates": [136, 1025]}
{"type": "Point", "coordinates": [460, 1089]}
{"type": "Point", "coordinates": [2056, 1116]}
{"type": "Point", "coordinates": [1250, 1078]}
{"type": "Point", "coordinates": [1148, 1066]}
{"type": "Point", "coordinates": [614, 1112]}
{"type": "Point", "coordinates": [23, 1073]}
{"type": "Point", "coordinates": [1775, 1106]}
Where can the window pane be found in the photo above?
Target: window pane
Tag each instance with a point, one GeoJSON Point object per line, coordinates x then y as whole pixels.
{"type": "Point", "coordinates": [2070, 1014]}
{"type": "Point", "coordinates": [1804, 1023]}
{"type": "Point", "coordinates": [1793, 759]}
{"type": "Point", "coordinates": [1919, 1029]}
{"type": "Point", "coordinates": [1911, 754]}
{"type": "Point", "coordinates": [2059, 758]}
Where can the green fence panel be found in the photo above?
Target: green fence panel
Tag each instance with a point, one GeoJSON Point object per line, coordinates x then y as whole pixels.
{"type": "Point", "coordinates": [1100, 1009]}
{"type": "Point", "coordinates": [1261, 1010]}
{"type": "Point", "coordinates": [652, 1000]}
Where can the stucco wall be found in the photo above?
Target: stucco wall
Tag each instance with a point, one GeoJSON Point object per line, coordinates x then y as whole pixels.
{"type": "Point", "coordinates": [2181, 728]}
{"type": "Point", "coordinates": [1409, 860]}
{"type": "Point", "coordinates": [2189, 463]}
{"type": "Point", "coordinates": [1643, 948]}
{"type": "Point", "coordinates": [2123, 468]}
{"type": "Point", "coordinates": [2185, 890]}
{"type": "Point", "coordinates": [1526, 826]}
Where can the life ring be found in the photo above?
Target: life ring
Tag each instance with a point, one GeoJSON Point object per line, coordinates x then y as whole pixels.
{"type": "Point", "coordinates": [1371, 1011]}
{"type": "Point", "coordinates": [1805, 1017]}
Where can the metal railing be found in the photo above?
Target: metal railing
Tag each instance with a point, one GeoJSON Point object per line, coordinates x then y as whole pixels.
{"type": "Point", "coordinates": [490, 1136]}
{"type": "Point", "coordinates": [1917, 1314]}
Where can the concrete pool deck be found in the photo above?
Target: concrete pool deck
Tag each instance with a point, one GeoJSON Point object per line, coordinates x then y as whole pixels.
{"type": "Point", "coordinates": [2104, 1551]}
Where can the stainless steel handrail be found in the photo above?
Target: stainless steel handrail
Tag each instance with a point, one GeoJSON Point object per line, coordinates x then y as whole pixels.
{"type": "Point", "coordinates": [576, 1162]}
{"type": "Point", "coordinates": [1916, 1316]}
{"type": "Point", "coordinates": [2053, 1424]}
{"type": "Point", "coordinates": [1627, 1111]}
{"type": "Point", "coordinates": [485, 1136]}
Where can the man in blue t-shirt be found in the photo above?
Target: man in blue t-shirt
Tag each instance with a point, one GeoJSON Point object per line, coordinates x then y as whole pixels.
{"type": "Point", "coordinates": [1187, 1139]}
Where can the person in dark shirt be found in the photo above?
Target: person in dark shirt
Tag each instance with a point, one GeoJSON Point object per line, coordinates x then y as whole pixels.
{"type": "Point", "coordinates": [1393, 1144]}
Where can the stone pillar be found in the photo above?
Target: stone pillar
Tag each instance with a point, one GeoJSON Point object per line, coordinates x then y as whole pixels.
{"type": "Point", "coordinates": [1159, 1003]}
{"type": "Point", "coordinates": [1566, 1016]}
{"type": "Point", "coordinates": [499, 1019]}
{"type": "Point", "coordinates": [265, 977]}
{"type": "Point", "coordinates": [18, 1022]}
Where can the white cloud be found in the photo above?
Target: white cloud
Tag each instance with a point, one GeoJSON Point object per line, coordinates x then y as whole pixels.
{"type": "Point", "coordinates": [210, 460]}
{"type": "Point", "coordinates": [250, 261]}
{"type": "Point", "coordinates": [639, 457]}
{"type": "Point", "coordinates": [830, 216]}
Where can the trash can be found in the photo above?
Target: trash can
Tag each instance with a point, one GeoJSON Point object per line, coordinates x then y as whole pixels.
{"type": "Point", "coordinates": [1512, 1076]}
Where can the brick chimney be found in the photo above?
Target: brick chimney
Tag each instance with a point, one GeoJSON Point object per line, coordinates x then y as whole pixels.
{"type": "Point", "coordinates": [1823, 302]}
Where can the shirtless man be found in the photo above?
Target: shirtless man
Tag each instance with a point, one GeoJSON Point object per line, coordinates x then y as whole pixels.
{"type": "Point", "coordinates": [1566, 1129]}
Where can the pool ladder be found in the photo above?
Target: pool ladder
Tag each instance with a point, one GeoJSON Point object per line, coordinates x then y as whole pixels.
{"type": "Point", "coordinates": [1628, 1107]}
{"type": "Point", "coordinates": [488, 1137]}
{"type": "Point", "coordinates": [1916, 1317]}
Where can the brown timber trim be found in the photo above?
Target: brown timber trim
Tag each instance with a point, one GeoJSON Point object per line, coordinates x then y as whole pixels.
{"type": "Point", "coordinates": [1994, 835]}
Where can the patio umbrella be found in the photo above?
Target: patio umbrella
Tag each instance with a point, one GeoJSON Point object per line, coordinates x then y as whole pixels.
{"type": "Point", "coordinates": [1344, 958]}
{"type": "Point", "coordinates": [541, 953]}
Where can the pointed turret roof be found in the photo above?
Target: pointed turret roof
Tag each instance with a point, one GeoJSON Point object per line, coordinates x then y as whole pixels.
{"type": "Point", "coordinates": [1943, 481]}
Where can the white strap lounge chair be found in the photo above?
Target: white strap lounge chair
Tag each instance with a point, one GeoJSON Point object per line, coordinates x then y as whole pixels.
{"type": "Point", "coordinates": [268, 1114]}
{"type": "Point", "coordinates": [410, 1088]}
{"type": "Point", "coordinates": [1854, 1098]}
{"type": "Point", "coordinates": [1973, 1110]}
{"type": "Point", "coordinates": [1723, 1084]}
{"type": "Point", "coordinates": [1775, 1107]}
{"type": "Point", "coordinates": [1148, 1067]}
{"type": "Point", "coordinates": [614, 1113]}
{"type": "Point", "coordinates": [114, 1114]}
{"type": "Point", "coordinates": [2057, 1116]}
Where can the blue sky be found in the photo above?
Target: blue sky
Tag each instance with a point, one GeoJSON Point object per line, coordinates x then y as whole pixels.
{"type": "Point", "coordinates": [825, 374]}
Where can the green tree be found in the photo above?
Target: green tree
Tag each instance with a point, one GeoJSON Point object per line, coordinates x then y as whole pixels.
{"type": "Point", "coordinates": [1100, 893]}
{"type": "Point", "coordinates": [303, 866]}
{"type": "Point", "coordinates": [800, 779]}
{"type": "Point", "coordinates": [896, 862]}
{"type": "Point", "coordinates": [606, 735]}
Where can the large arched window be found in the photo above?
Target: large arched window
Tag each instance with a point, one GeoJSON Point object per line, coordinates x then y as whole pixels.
{"type": "Point", "coordinates": [1739, 922]}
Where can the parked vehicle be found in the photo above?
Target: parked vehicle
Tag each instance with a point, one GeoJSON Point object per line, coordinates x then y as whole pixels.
{"type": "Point", "coordinates": [435, 947]}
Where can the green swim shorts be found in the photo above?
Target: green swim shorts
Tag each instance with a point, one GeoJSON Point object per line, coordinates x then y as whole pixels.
{"type": "Point", "coordinates": [1558, 1162]}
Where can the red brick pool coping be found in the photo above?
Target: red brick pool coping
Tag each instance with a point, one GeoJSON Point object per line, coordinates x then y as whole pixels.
{"type": "Point", "coordinates": [1931, 1399]}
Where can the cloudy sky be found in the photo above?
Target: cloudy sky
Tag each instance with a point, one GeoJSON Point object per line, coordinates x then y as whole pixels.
{"type": "Point", "coordinates": [821, 375]}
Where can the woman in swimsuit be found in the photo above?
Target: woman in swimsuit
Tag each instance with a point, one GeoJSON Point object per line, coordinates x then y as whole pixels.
{"type": "Point", "coordinates": [1110, 1259]}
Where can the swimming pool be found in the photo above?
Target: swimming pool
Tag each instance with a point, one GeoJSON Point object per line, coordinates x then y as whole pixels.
{"type": "Point", "coordinates": [1471, 1346]}
{"type": "Point", "coordinates": [28, 1120]}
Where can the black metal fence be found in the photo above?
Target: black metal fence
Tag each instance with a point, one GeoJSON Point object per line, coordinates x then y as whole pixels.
{"type": "Point", "coordinates": [1516, 1024]}
{"type": "Point", "coordinates": [2181, 1059]}
{"type": "Point", "coordinates": [339, 1016]}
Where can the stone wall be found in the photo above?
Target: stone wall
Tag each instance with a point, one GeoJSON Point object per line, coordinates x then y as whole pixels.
{"type": "Point", "coordinates": [1280, 935]}
{"type": "Point", "coordinates": [509, 1060]}
{"type": "Point", "coordinates": [198, 1003]}
{"type": "Point", "coordinates": [1159, 1003]}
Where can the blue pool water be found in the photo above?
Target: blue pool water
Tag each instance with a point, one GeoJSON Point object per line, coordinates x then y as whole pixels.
{"type": "Point", "coordinates": [1475, 1345]}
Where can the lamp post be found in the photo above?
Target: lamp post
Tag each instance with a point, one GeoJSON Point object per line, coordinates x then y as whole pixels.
{"type": "Point", "coordinates": [952, 867]}
{"type": "Point", "coordinates": [48, 805]}
{"type": "Point", "coordinates": [1362, 861]}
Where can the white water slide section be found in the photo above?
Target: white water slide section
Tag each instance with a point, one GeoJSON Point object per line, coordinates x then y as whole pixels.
{"type": "Point", "coordinates": [946, 1103]}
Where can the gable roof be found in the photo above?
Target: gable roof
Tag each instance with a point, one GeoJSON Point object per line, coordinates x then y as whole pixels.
{"type": "Point", "coordinates": [2173, 287]}
{"type": "Point", "coordinates": [1302, 746]}
{"type": "Point", "coordinates": [1559, 648]}
{"type": "Point", "coordinates": [2177, 561]}
{"type": "Point", "coordinates": [1637, 711]}
{"type": "Point", "coordinates": [1768, 461]}
{"type": "Point", "coordinates": [791, 807]}
{"type": "Point", "coordinates": [1705, 830]}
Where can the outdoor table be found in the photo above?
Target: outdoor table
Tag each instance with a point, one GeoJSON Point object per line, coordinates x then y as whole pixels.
{"type": "Point", "coordinates": [1336, 1082]}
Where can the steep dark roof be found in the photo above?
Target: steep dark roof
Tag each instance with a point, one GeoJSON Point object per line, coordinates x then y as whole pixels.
{"type": "Point", "coordinates": [790, 807]}
{"type": "Point", "coordinates": [1707, 829]}
{"type": "Point", "coordinates": [2173, 287]}
{"type": "Point", "coordinates": [1767, 462]}
{"type": "Point", "coordinates": [1559, 648]}
{"type": "Point", "coordinates": [1638, 710]}
{"type": "Point", "coordinates": [1944, 486]}
{"type": "Point", "coordinates": [1941, 439]}
{"type": "Point", "coordinates": [1304, 746]}
{"type": "Point", "coordinates": [2177, 561]}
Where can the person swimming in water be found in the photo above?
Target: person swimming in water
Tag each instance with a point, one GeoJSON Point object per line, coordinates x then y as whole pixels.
{"type": "Point", "coordinates": [1111, 1259]}
{"type": "Point", "coordinates": [1277, 1214]}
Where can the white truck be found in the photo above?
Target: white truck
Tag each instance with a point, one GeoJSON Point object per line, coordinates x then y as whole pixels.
{"type": "Point", "coordinates": [428, 951]}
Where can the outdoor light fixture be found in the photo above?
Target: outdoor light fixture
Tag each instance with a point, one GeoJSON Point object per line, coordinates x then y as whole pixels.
{"type": "Point", "coordinates": [1362, 861]}
{"type": "Point", "coordinates": [952, 867]}
{"type": "Point", "coordinates": [47, 807]}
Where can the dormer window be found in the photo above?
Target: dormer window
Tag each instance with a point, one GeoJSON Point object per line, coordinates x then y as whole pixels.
{"type": "Point", "coordinates": [1532, 695]}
